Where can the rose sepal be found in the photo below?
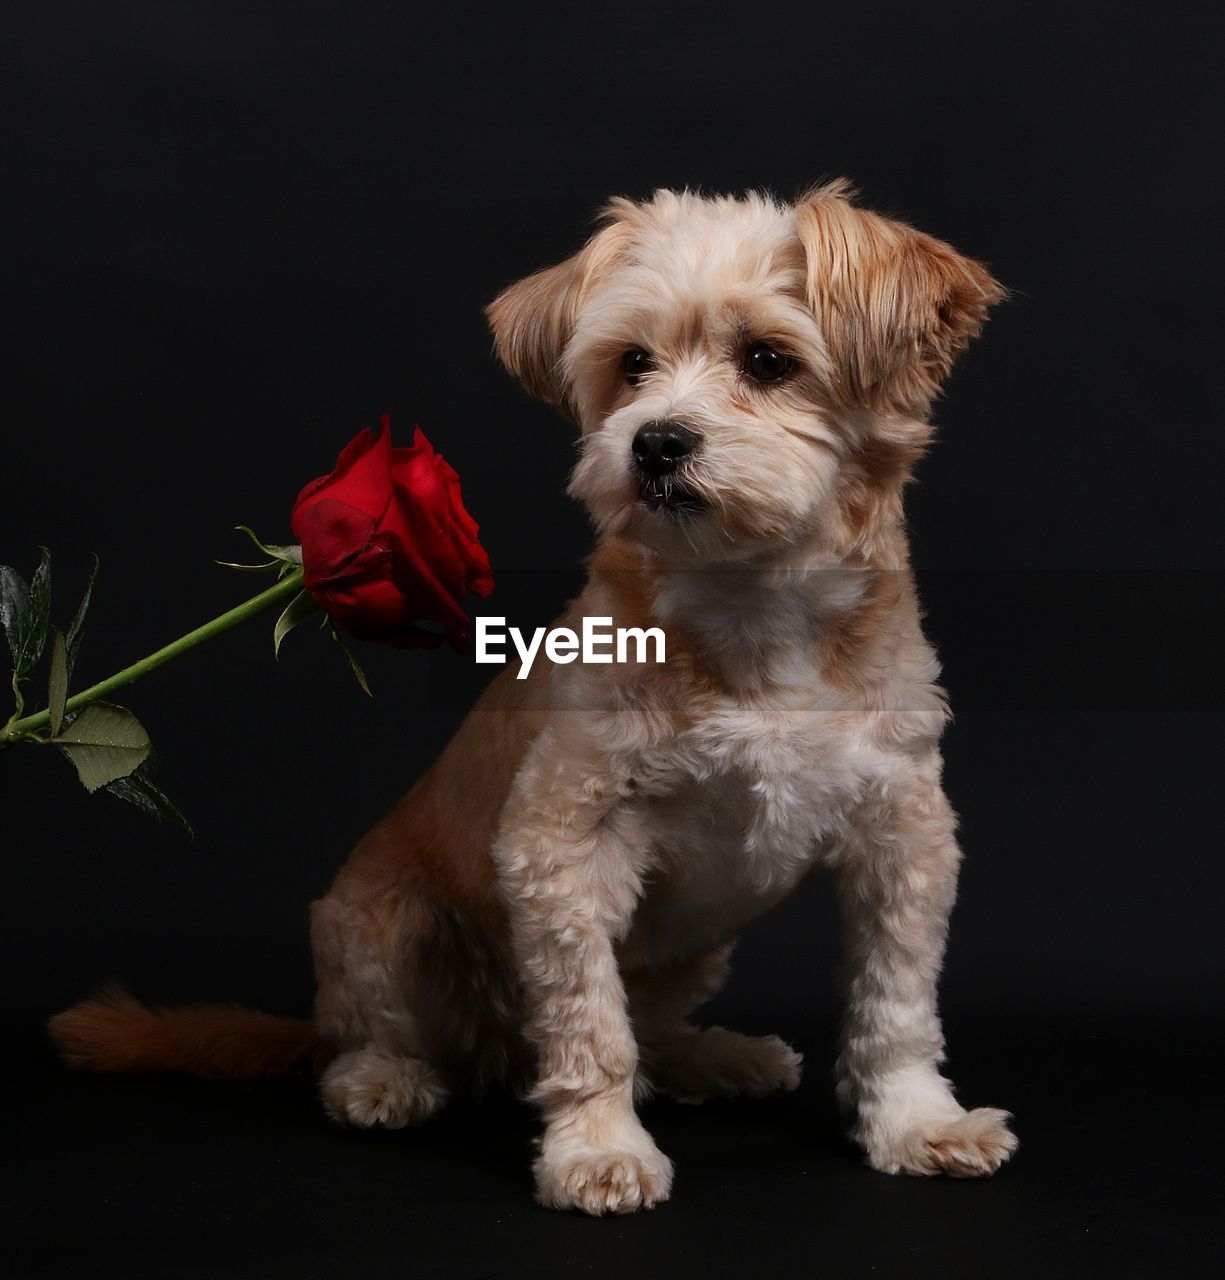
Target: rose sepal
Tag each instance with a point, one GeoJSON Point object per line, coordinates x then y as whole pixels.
{"type": "Point", "coordinates": [283, 559]}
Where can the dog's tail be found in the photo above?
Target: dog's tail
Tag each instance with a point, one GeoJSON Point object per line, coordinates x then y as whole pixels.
{"type": "Point", "coordinates": [111, 1031]}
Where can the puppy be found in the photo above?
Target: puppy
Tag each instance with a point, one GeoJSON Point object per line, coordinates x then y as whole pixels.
{"type": "Point", "coordinates": [552, 901]}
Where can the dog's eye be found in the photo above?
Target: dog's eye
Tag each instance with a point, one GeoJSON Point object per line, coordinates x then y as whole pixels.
{"type": "Point", "coordinates": [635, 364]}
{"type": "Point", "coordinates": [764, 364]}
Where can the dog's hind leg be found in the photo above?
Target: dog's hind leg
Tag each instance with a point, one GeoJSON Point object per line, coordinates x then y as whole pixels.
{"type": "Point", "coordinates": [417, 992]}
{"type": "Point", "coordinates": [365, 961]}
{"type": "Point", "coordinates": [380, 1087]}
{"type": "Point", "coordinates": [693, 1064]}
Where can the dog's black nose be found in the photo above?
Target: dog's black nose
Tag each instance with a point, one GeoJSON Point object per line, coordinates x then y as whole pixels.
{"type": "Point", "coordinates": [659, 446]}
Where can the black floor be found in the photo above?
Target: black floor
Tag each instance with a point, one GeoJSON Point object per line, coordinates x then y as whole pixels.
{"type": "Point", "coordinates": [1082, 991]}
{"type": "Point", "coordinates": [1119, 1174]}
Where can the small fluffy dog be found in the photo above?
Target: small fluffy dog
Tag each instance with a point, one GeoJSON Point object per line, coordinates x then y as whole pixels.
{"type": "Point", "coordinates": [558, 894]}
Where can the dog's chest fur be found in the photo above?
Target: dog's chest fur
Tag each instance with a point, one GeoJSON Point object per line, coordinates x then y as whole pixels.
{"type": "Point", "coordinates": [763, 782]}
{"type": "Point", "coordinates": [764, 795]}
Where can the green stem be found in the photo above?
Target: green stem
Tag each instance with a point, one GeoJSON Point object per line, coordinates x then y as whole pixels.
{"type": "Point", "coordinates": [288, 586]}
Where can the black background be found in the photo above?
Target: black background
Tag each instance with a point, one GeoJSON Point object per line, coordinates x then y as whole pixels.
{"type": "Point", "coordinates": [237, 233]}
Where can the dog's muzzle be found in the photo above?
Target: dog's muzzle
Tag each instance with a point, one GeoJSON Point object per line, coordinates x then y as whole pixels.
{"type": "Point", "coordinates": [659, 450]}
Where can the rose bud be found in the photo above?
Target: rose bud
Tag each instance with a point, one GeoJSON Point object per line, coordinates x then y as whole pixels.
{"type": "Point", "coordinates": [388, 550]}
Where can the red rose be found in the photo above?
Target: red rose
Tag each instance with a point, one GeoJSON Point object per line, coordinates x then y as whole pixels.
{"type": "Point", "coordinates": [387, 544]}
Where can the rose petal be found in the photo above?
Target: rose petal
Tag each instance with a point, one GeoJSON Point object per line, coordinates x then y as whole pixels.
{"type": "Point", "coordinates": [332, 534]}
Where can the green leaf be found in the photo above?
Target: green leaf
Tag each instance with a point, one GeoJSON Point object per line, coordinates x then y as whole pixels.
{"type": "Point", "coordinates": [291, 553]}
{"type": "Point", "coordinates": [26, 612]}
{"type": "Point", "coordinates": [14, 608]}
{"type": "Point", "coordinates": [57, 682]}
{"type": "Point", "coordinates": [300, 609]}
{"type": "Point", "coordinates": [15, 617]}
{"type": "Point", "coordinates": [354, 665]}
{"type": "Point", "coordinates": [104, 742]}
{"type": "Point", "coordinates": [139, 789]}
{"type": "Point", "coordinates": [77, 625]}
{"type": "Point", "coordinates": [40, 616]}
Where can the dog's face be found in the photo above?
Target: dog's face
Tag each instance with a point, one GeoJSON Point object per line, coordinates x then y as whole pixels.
{"type": "Point", "coordinates": [747, 375]}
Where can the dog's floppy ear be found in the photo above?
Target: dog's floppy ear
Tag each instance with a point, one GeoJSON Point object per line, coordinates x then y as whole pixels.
{"type": "Point", "coordinates": [533, 320]}
{"type": "Point", "coordinates": [896, 306]}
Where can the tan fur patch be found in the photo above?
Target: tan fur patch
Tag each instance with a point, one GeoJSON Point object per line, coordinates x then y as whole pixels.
{"type": "Point", "coordinates": [533, 319]}
{"type": "Point", "coordinates": [896, 305]}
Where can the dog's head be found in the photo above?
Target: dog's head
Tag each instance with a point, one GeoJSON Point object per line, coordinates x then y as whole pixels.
{"type": "Point", "coordinates": [746, 374]}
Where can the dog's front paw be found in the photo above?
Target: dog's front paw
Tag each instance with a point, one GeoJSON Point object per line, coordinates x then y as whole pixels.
{"type": "Point", "coordinates": [599, 1181]}
{"type": "Point", "coordinates": [717, 1063]}
{"type": "Point", "coordinates": [973, 1145]}
{"type": "Point", "coordinates": [604, 1182]}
